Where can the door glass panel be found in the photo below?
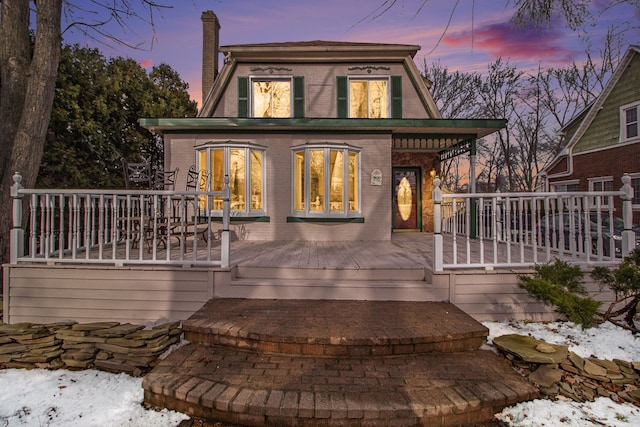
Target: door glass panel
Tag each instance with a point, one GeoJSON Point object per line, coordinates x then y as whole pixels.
{"type": "Point", "coordinates": [406, 198]}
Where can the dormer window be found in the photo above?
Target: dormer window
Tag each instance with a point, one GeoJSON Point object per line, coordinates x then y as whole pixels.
{"type": "Point", "coordinates": [271, 97]}
{"type": "Point", "coordinates": [368, 98]}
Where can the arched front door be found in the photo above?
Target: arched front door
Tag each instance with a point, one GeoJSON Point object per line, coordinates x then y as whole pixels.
{"type": "Point", "coordinates": [406, 199]}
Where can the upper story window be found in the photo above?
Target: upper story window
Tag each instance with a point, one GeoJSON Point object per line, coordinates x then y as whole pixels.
{"type": "Point", "coordinates": [270, 97]}
{"type": "Point", "coordinates": [326, 180]}
{"type": "Point", "coordinates": [629, 122]}
{"type": "Point", "coordinates": [368, 98]}
{"type": "Point", "coordinates": [244, 163]}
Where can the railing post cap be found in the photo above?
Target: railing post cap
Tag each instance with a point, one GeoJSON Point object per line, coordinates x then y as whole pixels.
{"type": "Point", "coordinates": [626, 179]}
{"type": "Point", "coordinates": [17, 178]}
{"type": "Point", "coordinates": [437, 181]}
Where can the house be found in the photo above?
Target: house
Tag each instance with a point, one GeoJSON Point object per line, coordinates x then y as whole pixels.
{"type": "Point", "coordinates": [321, 140]}
{"type": "Point", "coordinates": [602, 142]}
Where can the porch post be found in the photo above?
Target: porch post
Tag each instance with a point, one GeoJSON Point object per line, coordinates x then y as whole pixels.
{"type": "Point", "coordinates": [437, 226]}
{"type": "Point", "coordinates": [472, 189]}
{"type": "Point", "coordinates": [628, 235]}
{"type": "Point", "coordinates": [17, 233]}
{"type": "Point", "coordinates": [225, 238]}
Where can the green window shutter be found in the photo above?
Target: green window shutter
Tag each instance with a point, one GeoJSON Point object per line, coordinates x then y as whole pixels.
{"type": "Point", "coordinates": [343, 101]}
{"type": "Point", "coordinates": [396, 97]}
{"type": "Point", "coordinates": [298, 96]}
{"type": "Point", "coordinates": [243, 97]}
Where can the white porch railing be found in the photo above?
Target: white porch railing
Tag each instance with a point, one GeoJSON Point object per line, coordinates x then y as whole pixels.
{"type": "Point", "coordinates": [118, 227]}
{"type": "Point", "coordinates": [487, 230]}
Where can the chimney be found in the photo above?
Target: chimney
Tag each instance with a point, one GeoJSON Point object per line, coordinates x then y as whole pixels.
{"type": "Point", "coordinates": [210, 50]}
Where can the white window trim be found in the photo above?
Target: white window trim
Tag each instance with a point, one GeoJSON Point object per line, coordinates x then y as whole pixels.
{"type": "Point", "coordinates": [326, 213]}
{"type": "Point", "coordinates": [623, 124]}
{"type": "Point", "coordinates": [567, 182]}
{"type": "Point", "coordinates": [604, 202]}
{"type": "Point", "coordinates": [369, 77]}
{"type": "Point", "coordinates": [227, 146]}
{"type": "Point", "coordinates": [270, 78]}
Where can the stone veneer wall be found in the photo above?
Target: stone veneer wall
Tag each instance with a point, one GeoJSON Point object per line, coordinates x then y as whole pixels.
{"type": "Point", "coordinates": [426, 162]}
{"type": "Point", "coordinates": [107, 346]}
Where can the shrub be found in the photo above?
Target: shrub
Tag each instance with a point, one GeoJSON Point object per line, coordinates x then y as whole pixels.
{"type": "Point", "coordinates": [560, 285]}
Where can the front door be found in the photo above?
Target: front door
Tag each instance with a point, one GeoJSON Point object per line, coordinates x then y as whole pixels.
{"type": "Point", "coordinates": [406, 199]}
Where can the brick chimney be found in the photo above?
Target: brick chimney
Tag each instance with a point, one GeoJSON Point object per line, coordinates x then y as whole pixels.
{"type": "Point", "coordinates": [210, 50]}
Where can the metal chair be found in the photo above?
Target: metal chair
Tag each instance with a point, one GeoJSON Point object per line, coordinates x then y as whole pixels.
{"type": "Point", "coordinates": [137, 175]}
{"type": "Point", "coordinates": [165, 180]}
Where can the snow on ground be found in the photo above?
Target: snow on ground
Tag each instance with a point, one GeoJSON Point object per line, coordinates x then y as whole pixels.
{"type": "Point", "coordinates": [93, 398]}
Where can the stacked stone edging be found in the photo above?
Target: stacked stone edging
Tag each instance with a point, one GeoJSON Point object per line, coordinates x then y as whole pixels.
{"type": "Point", "coordinates": [107, 346]}
{"type": "Point", "coordinates": [559, 372]}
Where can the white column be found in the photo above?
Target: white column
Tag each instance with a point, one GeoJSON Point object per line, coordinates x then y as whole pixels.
{"type": "Point", "coordinates": [437, 226]}
{"type": "Point", "coordinates": [17, 233]}
{"type": "Point", "coordinates": [628, 235]}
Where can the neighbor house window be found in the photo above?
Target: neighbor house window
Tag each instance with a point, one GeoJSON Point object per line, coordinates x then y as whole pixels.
{"type": "Point", "coordinates": [368, 98]}
{"type": "Point", "coordinates": [629, 122]}
{"type": "Point", "coordinates": [244, 163]}
{"type": "Point", "coordinates": [601, 184]}
{"type": "Point", "coordinates": [565, 186]}
{"type": "Point", "coordinates": [635, 183]}
{"type": "Point", "coordinates": [326, 180]}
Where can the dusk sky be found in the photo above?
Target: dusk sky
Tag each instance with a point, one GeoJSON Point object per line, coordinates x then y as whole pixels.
{"type": "Point", "coordinates": [479, 32]}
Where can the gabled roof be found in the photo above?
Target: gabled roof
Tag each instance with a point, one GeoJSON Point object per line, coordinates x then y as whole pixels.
{"type": "Point", "coordinates": [590, 112]}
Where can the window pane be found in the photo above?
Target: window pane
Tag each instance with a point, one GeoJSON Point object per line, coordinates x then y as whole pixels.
{"type": "Point", "coordinates": [271, 99]}
{"type": "Point", "coordinates": [378, 99]}
{"type": "Point", "coordinates": [358, 98]}
{"type": "Point", "coordinates": [202, 166]}
{"type": "Point", "coordinates": [336, 163]}
{"type": "Point", "coordinates": [237, 179]}
{"type": "Point", "coordinates": [635, 183]}
{"type": "Point", "coordinates": [631, 121]}
{"type": "Point", "coordinates": [316, 175]}
{"type": "Point", "coordinates": [217, 176]}
{"type": "Point", "coordinates": [256, 180]}
{"type": "Point", "coordinates": [299, 181]}
{"type": "Point", "coordinates": [352, 189]}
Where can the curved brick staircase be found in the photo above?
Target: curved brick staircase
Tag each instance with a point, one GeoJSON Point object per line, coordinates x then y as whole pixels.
{"type": "Point", "coordinates": [334, 363]}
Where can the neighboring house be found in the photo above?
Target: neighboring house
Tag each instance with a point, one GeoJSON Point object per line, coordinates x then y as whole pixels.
{"type": "Point", "coordinates": [603, 141]}
{"type": "Point", "coordinates": [321, 140]}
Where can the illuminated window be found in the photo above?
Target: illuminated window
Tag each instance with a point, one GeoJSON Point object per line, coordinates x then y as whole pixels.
{"type": "Point", "coordinates": [368, 98]}
{"type": "Point", "coordinates": [244, 164]}
{"type": "Point", "coordinates": [326, 180]}
{"type": "Point", "coordinates": [270, 98]}
{"type": "Point", "coordinates": [629, 122]}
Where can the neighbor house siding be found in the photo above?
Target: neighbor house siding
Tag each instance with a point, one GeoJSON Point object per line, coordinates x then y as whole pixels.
{"type": "Point", "coordinates": [604, 131]}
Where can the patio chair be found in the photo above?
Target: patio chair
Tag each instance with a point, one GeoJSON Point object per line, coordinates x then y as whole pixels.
{"type": "Point", "coordinates": [137, 175]}
{"type": "Point", "coordinates": [165, 180]}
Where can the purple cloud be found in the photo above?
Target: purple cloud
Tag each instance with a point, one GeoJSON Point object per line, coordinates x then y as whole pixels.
{"type": "Point", "coordinates": [504, 40]}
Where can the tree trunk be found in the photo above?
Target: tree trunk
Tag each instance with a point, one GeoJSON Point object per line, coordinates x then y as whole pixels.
{"type": "Point", "coordinates": [27, 87]}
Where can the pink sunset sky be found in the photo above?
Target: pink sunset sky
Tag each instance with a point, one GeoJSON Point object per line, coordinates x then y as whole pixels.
{"type": "Point", "coordinates": [477, 31]}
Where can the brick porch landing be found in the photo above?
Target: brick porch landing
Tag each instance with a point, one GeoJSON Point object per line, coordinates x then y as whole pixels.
{"type": "Point", "coordinates": [334, 363]}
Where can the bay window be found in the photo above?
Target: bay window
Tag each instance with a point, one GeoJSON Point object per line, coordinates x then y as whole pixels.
{"type": "Point", "coordinates": [326, 180]}
{"type": "Point", "coordinates": [244, 163]}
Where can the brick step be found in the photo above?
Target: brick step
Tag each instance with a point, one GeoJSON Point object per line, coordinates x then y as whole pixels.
{"type": "Point", "coordinates": [250, 388]}
{"type": "Point", "coordinates": [325, 327]}
{"type": "Point", "coordinates": [334, 289]}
